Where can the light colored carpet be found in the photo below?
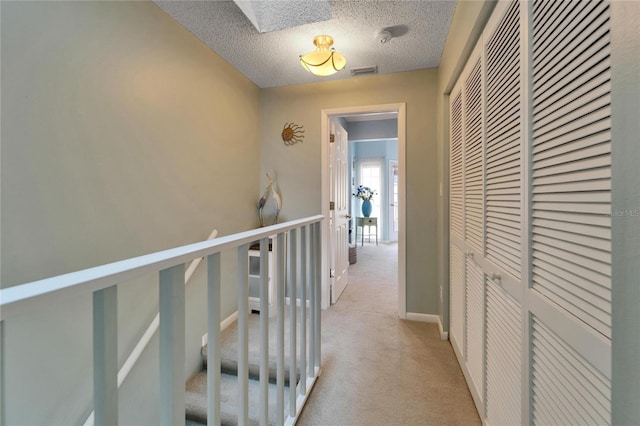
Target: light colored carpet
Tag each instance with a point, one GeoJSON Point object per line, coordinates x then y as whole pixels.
{"type": "Point", "coordinates": [378, 369]}
{"type": "Point", "coordinates": [229, 347]}
{"type": "Point", "coordinates": [196, 386]}
{"type": "Point", "coordinates": [196, 400]}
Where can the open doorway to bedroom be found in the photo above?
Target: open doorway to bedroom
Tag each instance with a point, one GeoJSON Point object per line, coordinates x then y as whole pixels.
{"type": "Point", "coordinates": [376, 152]}
{"type": "Point", "coordinates": [374, 165]}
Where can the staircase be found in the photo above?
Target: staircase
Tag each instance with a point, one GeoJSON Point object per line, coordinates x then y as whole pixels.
{"type": "Point", "coordinates": [234, 386]}
{"type": "Point", "coordinates": [196, 386]}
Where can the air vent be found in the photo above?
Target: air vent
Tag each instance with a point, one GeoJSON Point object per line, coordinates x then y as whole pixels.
{"type": "Point", "coordinates": [364, 70]}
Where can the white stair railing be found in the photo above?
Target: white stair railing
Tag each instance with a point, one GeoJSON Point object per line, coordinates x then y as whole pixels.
{"type": "Point", "coordinates": [148, 334]}
{"type": "Point", "coordinates": [303, 267]}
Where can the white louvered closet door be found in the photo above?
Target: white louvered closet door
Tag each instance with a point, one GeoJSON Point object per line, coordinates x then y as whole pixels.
{"type": "Point", "coordinates": [456, 254]}
{"type": "Point", "coordinates": [504, 216]}
{"type": "Point", "coordinates": [530, 215]}
{"type": "Point", "coordinates": [473, 219]}
{"type": "Point", "coordinates": [504, 144]}
{"type": "Point", "coordinates": [473, 156]}
{"type": "Point", "coordinates": [571, 229]}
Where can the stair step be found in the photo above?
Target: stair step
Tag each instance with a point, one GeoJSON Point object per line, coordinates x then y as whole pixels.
{"type": "Point", "coordinates": [229, 349]}
{"type": "Point", "coordinates": [196, 400]}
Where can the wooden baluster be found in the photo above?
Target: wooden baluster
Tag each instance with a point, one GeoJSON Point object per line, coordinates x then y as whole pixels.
{"type": "Point", "coordinates": [264, 331]}
{"type": "Point", "coordinates": [302, 274]}
{"type": "Point", "coordinates": [172, 322]}
{"type": "Point", "coordinates": [280, 296]}
{"type": "Point", "coordinates": [292, 284]}
{"type": "Point", "coordinates": [105, 356]}
{"type": "Point", "coordinates": [213, 339]}
{"type": "Point", "coordinates": [243, 335]}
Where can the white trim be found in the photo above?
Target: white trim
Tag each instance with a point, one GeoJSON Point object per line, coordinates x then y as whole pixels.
{"type": "Point", "coordinates": [400, 108]}
{"type": "Point", "coordinates": [471, 385]}
{"type": "Point", "coordinates": [224, 324]}
{"type": "Point", "coordinates": [413, 316]}
{"type": "Point", "coordinates": [444, 335]}
{"type": "Point", "coordinates": [325, 288]}
{"type": "Point", "coordinates": [435, 319]}
{"type": "Point", "coordinates": [390, 211]}
{"type": "Point", "coordinates": [228, 320]}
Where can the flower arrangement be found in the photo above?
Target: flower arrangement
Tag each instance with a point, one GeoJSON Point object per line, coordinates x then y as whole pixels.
{"type": "Point", "coordinates": [364, 192]}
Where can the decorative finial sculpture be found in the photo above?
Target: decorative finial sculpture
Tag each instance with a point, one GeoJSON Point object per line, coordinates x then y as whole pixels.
{"type": "Point", "coordinates": [269, 196]}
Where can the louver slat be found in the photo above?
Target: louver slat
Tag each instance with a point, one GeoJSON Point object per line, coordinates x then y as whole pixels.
{"type": "Point", "coordinates": [602, 197]}
{"type": "Point", "coordinates": [456, 168]}
{"type": "Point", "coordinates": [503, 346]}
{"type": "Point", "coordinates": [550, 58]}
{"type": "Point", "coordinates": [571, 176]}
{"type": "Point", "coordinates": [576, 141]}
{"type": "Point", "coordinates": [598, 316]}
{"type": "Point", "coordinates": [566, 389]}
{"type": "Point", "coordinates": [503, 144]}
{"type": "Point", "coordinates": [473, 158]}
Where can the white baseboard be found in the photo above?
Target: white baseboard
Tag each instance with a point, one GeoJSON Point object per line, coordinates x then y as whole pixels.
{"type": "Point", "coordinates": [412, 316]}
{"type": "Point", "coordinates": [435, 319]}
{"type": "Point", "coordinates": [224, 324]}
{"type": "Point", "coordinates": [228, 320]}
{"type": "Point", "coordinates": [444, 335]}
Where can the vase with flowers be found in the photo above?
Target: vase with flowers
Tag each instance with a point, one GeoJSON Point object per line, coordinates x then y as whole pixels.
{"type": "Point", "coordinates": [365, 194]}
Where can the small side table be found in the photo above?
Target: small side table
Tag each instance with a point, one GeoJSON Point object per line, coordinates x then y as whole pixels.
{"type": "Point", "coordinates": [369, 222]}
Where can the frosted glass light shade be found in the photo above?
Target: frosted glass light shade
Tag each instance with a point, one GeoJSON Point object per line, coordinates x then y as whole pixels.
{"type": "Point", "coordinates": [324, 60]}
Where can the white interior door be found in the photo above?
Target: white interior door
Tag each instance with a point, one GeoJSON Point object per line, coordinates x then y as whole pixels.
{"type": "Point", "coordinates": [393, 201]}
{"type": "Point", "coordinates": [339, 216]}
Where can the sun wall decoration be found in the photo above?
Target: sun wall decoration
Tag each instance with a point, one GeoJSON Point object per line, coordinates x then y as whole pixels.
{"type": "Point", "coordinates": [292, 133]}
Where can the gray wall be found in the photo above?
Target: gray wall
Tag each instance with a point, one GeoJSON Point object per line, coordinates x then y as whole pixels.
{"type": "Point", "coordinates": [625, 104]}
{"type": "Point", "coordinates": [122, 134]}
{"type": "Point", "coordinates": [298, 166]}
{"type": "Point", "coordinates": [376, 129]}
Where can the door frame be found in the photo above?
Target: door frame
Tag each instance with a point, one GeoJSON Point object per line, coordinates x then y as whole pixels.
{"type": "Point", "coordinates": [400, 109]}
{"type": "Point", "coordinates": [390, 208]}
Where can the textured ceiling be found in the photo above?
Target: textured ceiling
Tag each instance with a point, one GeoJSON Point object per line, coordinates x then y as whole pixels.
{"type": "Point", "coordinates": [270, 59]}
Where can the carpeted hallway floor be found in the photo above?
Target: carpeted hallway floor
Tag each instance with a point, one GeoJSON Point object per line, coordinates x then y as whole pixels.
{"type": "Point", "coordinates": [378, 369]}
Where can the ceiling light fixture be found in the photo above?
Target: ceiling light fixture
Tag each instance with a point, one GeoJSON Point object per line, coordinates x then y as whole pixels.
{"type": "Point", "coordinates": [324, 60]}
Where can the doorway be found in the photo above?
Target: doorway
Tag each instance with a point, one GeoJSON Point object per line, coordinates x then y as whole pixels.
{"type": "Point", "coordinates": [326, 115]}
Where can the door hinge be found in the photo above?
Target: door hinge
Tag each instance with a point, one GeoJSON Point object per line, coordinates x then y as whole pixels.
{"type": "Point", "coordinates": [332, 273]}
{"type": "Point", "coordinates": [332, 138]}
{"type": "Point", "coordinates": [332, 205]}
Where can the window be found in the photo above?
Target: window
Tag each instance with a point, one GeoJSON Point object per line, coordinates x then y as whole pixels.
{"type": "Point", "coordinates": [371, 175]}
